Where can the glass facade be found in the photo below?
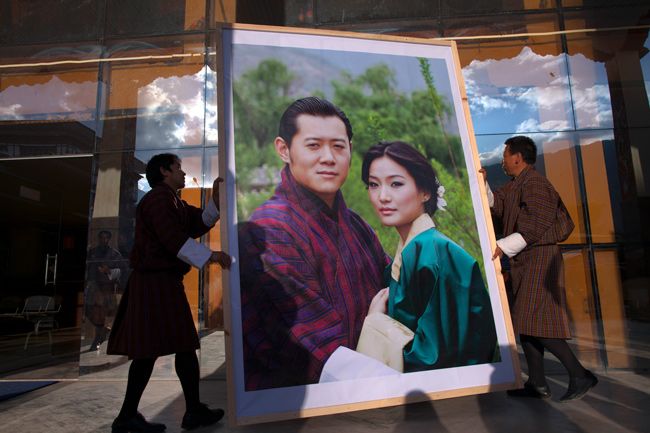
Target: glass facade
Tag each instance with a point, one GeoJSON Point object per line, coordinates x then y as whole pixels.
{"type": "Point", "coordinates": [90, 90]}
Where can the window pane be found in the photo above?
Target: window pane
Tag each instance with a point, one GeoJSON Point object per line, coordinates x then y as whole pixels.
{"type": "Point", "coordinates": [341, 11]}
{"type": "Point", "coordinates": [155, 103]}
{"type": "Point", "coordinates": [581, 306]}
{"type": "Point", "coordinates": [469, 7]}
{"type": "Point", "coordinates": [601, 14]}
{"type": "Point", "coordinates": [514, 86]}
{"type": "Point", "coordinates": [47, 104]}
{"type": "Point", "coordinates": [25, 21]}
{"type": "Point", "coordinates": [43, 235]}
{"type": "Point", "coordinates": [608, 75]}
{"type": "Point", "coordinates": [154, 16]}
{"type": "Point", "coordinates": [120, 183]}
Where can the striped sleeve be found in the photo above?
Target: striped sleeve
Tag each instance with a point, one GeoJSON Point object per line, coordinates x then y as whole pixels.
{"type": "Point", "coordinates": [277, 269]}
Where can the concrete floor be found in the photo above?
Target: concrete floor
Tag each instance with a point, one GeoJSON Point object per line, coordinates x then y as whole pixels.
{"type": "Point", "coordinates": [619, 403]}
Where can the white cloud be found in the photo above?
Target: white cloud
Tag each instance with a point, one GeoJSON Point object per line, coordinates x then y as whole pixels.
{"type": "Point", "coordinates": [540, 84]}
{"type": "Point", "coordinates": [11, 112]}
{"type": "Point", "coordinates": [593, 107]}
{"type": "Point", "coordinates": [492, 157]}
{"type": "Point", "coordinates": [533, 125]}
{"type": "Point", "coordinates": [545, 98]}
{"type": "Point", "coordinates": [179, 96]}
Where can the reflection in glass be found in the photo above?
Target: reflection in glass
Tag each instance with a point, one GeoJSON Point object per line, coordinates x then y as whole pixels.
{"type": "Point", "coordinates": [43, 235]}
{"type": "Point", "coordinates": [645, 66]}
{"type": "Point", "coordinates": [120, 184]}
{"type": "Point", "coordinates": [592, 103]}
{"type": "Point", "coordinates": [154, 16]}
{"type": "Point", "coordinates": [157, 103]}
{"type": "Point", "coordinates": [47, 114]}
{"type": "Point", "coordinates": [173, 112]}
{"type": "Point", "coordinates": [528, 92]}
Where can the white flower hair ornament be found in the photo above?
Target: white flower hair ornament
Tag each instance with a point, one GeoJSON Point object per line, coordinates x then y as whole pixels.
{"type": "Point", "coordinates": [441, 203]}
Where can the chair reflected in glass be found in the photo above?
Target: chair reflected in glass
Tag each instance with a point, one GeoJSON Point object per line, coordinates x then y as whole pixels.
{"type": "Point", "coordinates": [40, 310]}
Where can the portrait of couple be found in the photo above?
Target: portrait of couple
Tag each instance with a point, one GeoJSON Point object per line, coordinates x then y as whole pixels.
{"type": "Point", "coordinates": [315, 279]}
{"type": "Point", "coordinates": [363, 274]}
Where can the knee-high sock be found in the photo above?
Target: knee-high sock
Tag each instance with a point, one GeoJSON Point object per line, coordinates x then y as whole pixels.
{"type": "Point", "coordinates": [187, 369]}
{"type": "Point", "coordinates": [561, 350]}
{"type": "Point", "coordinates": [139, 374]}
{"type": "Point", "coordinates": [534, 352]}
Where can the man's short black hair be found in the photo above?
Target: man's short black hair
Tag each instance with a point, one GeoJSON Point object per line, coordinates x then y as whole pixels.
{"type": "Point", "coordinates": [162, 160]}
{"type": "Point", "coordinates": [312, 106]}
{"type": "Point", "coordinates": [524, 146]}
{"type": "Point", "coordinates": [105, 232]}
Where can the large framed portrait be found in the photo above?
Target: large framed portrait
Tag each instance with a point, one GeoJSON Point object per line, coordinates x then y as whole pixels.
{"type": "Point", "coordinates": [316, 234]}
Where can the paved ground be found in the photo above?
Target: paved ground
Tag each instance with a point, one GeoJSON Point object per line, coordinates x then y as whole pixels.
{"type": "Point", "coordinates": [618, 404]}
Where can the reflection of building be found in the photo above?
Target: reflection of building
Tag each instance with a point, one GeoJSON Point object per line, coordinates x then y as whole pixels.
{"type": "Point", "coordinates": [83, 105]}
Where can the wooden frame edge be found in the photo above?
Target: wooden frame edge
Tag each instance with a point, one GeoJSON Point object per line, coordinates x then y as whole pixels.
{"type": "Point", "coordinates": [373, 404]}
{"type": "Point", "coordinates": [225, 239]}
{"type": "Point", "coordinates": [307, 31]}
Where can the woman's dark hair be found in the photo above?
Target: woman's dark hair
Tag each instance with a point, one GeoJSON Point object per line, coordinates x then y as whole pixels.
{"type": "Point", "coordinates": [413, 162]}
{"type": "Point", "coordinates": [524, 146]}
{"type": "Point", "coordinates": [311, 106]}
{"type": "Point", "coordinates": [162, 160]}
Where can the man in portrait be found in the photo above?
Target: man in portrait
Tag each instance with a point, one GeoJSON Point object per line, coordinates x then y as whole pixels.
{"type": "Point", "coordinates": [309, 265]}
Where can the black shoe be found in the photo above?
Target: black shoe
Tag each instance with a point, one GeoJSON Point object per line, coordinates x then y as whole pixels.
{"type": "Point", "coordinates": [578, 386]}
{"type": "Point", "coordinates": [201, 416]}
{"type": "Point", "coordinates": [530, 390]}
{"type": "Point", "coordinates": [136, 423]}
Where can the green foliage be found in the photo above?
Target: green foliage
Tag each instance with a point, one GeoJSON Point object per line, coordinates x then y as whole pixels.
{"type": "Point", "coordinates": [248, 202]}
{"type": "Point", "coordinates": [456, 221]}
{"type": "Point", "coordinates": [260, 97]}
{"type": "Point", "coordinates": [379, 112]}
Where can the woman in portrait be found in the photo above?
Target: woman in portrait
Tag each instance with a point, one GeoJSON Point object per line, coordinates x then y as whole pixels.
{"type": "Point", "coordinates": [434, 287]}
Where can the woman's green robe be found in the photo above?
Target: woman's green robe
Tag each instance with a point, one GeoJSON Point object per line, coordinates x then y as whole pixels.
{"type": "Point", "coordinates": [437, 291]}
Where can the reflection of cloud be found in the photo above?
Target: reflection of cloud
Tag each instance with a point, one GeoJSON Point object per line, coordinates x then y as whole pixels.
{"type": "Point", "coordinates": [532, 125]}
{"type": "Point", "coordinates": [593, 106]}
{"type": "Point", "coordinates": [538, 85]}
{"type": "Point", "coordinates": [52, 98]}
{"type": "Point", "coordinates": [546, 98]}
{"type": "Point", "coordinates": [502, 84]}
{"type": "Point", "coordinates": [11, 112]}
{"type": "Point", "coordinates": [176, 111]}
{"type": "Point", "coordinates": [492, 157]}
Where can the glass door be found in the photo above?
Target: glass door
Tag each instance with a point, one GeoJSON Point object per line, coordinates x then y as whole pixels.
{"type": "Point", "coordinates": [43, 239]}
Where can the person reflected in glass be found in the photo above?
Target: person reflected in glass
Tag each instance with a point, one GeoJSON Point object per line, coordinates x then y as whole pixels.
{"type": "Point", "coordinates": [434, 287]}
{"type": "Point", "coordinates": [104, 271]}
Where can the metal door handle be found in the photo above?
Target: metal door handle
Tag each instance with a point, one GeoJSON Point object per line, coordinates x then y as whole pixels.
{"type": "Point", "coordinates": [48, 259]}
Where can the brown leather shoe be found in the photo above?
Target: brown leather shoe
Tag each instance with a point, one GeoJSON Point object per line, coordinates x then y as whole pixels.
{"type": "Point", "coordinates": [578, 386]}
{"type": "Point", "coordinates": [530, 390]}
